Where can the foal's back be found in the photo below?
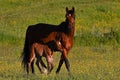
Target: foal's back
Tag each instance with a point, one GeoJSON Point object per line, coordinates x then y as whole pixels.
{"type": "Point", "coordinates": [41, 50]}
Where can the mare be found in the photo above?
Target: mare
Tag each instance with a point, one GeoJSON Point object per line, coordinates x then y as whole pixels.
{"type": "Point", "coordinates": [44, 33]}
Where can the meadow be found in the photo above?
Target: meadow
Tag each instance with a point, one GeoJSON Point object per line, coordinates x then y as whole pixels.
{"type": "Point", "coordinates": [96, 51]}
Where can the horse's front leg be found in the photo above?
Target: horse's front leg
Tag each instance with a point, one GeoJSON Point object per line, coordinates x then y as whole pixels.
{"type": "Point", "coordinates": [60, 64]}
{"type": "Point", "coordinates": [64, 57]}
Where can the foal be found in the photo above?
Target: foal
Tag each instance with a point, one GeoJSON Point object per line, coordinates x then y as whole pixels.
{"type": "Point", "coordinates": [40, 50]}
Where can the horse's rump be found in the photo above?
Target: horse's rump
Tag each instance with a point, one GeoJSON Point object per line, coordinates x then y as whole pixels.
{"type": "Point", "coordinates": [38, 33]}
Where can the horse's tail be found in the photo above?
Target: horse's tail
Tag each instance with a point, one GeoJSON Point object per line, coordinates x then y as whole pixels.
{"type": "Point", "coordinates": [26, 53]}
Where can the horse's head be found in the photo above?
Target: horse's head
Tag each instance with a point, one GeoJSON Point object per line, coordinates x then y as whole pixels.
{"type": "Point", "coordinates": [70, 17]}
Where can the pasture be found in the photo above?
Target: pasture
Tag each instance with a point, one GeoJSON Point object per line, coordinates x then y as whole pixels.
{"type": "Point", "coordinates": [96, 51]}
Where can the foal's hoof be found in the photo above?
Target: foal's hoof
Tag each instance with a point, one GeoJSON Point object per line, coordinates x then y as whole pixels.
{"type": "Point", "coordinates": [44, 71]}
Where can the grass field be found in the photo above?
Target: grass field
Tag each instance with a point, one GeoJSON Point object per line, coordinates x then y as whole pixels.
{"type": "Point", "coordinates": [96, 51]}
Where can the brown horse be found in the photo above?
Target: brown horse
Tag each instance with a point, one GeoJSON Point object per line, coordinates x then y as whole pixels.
{"type": "Point", "coordinates": [44, 33]}
{"type": "Point", "coordinates": [38, 50]}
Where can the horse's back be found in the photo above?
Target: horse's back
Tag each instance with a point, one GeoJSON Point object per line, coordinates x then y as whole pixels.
{"type": "Point", "coordinates": [35, 33]}
{"type": "Point", "coordinates": [42, 28]}
{"type": "Point", "coordinates": [46, 28]}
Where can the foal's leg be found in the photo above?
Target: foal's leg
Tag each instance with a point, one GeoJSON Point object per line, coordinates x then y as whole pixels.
{"type": "Point", "coordinates": [42, 63]}
{"type": "Point", "coordinates": [37, 63]}
{"type": "Point", "coordinates": [50, 64]}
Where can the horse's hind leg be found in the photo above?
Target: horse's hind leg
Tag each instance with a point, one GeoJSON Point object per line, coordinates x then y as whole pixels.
{"type": "Point", "coordinates": [31, 60]}
{"type": "Point", "coordinates": [28, 67]}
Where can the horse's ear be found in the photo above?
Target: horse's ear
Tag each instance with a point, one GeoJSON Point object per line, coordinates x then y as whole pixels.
{"type": "Point", "coordinates": [66, 9]}
{"type": "Point", "coordinates": [73, 9]}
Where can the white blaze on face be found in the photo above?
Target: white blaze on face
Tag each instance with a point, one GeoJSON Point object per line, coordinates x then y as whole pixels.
{"type": "Point", "coordinates": [69, 15]}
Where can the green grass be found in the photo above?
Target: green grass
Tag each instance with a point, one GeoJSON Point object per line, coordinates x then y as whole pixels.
{"type": "Point", "coordinates": [95, 54]}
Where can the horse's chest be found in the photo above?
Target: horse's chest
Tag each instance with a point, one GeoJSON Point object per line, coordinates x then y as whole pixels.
{"type": "Point", "coordinates": [67, 42]}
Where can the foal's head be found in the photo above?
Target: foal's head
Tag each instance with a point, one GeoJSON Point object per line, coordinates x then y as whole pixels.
{"type": "Point", "coordinates": [70, 16]}
{"type": "Point", "coordinates": [56, 45]}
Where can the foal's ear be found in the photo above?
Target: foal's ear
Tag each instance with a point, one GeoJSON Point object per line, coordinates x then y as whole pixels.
{"type": "Point", "coordinates": [73, 9]}
{"type": "Point", "coordinates": [66, 9]}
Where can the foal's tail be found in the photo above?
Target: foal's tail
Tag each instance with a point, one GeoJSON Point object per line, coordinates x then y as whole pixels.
{"type": "Point", "coordinates": [26, 53]}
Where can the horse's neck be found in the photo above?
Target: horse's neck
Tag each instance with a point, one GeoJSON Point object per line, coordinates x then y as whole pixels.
{"type": "Point", "coordinates": [71, 31]}
{"type": "Point", "coordinates": [63, 27]}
